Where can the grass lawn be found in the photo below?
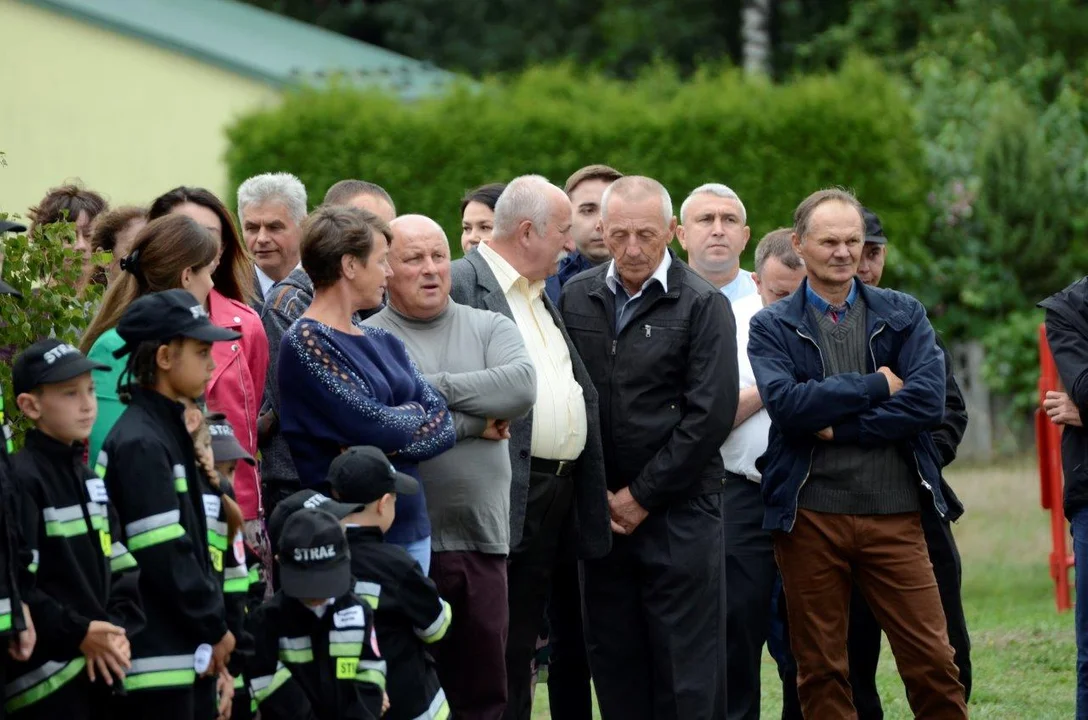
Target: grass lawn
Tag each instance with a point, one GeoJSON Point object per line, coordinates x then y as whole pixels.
{"type": "Point", "coordinates": [1023, 651]}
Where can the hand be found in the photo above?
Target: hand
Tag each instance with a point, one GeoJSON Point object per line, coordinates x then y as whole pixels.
{"type": "Point", "coordinates": [266, 424]}
{"type": "Point", "coordinates": [826, 434]}
{"type": "Point", "coordinates": [220, 655]}
{"type": "Point", "coordinates": [627, 514]}
{"type": "Point", "coordinates": [107, 651]}
{"type": "Point", "coordinates": [22, 645]}
{"type": "Point", "coordinates": [1061, 410]}
{"type": "Point", "coordinates": [894, 383]}
{"type": "Point", "coordinates": [385, 702]}
{"type": "Point", "coordinates": [496, 430]}
{"type": "Point", "coordinates": [225, 687]}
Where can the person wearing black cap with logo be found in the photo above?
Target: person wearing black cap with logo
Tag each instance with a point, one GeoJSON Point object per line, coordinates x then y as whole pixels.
{"type": "Point", "coordinates": [149, 464]}
{"type": "Point", "coordinates": [408, 611]}
{"type": "Point", "coordinates": [86, 590]}
{"type": "Point", "coordinates": [316, 649]}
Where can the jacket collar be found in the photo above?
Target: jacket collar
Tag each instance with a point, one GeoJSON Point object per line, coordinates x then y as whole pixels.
{"type": "Point", "coordinates": [53, 448]}
{"type": "Point", "coordinates": [675, 277]}
{"type": "Point", "coordinates": [879, 309]}
{"type": "Point", "coordinates": [154, 402]}
{"type": "Point", "coordinates": [495, 298]}
{"type": "Point", "coordinates": [365, 534]}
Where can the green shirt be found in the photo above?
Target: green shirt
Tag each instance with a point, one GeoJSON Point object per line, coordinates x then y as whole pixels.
{"type": "Point", "coordinates": [110, 406]}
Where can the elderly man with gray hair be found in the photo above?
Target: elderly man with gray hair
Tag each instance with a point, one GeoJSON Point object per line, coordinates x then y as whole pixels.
{"type": "Point", "coordinates": [714, 231]}
{"type": "Point", "coordinates": [660, 344]}
{"type": "Point", "coordinates": [271, 208]}
{"type": "Point", "coordinates": [557, 465]}
{"type": "Point", "coordinates": [478, 361]}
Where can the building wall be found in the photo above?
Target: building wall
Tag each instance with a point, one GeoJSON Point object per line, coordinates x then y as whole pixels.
{"type": "Point", "coordinates": [128, 118]}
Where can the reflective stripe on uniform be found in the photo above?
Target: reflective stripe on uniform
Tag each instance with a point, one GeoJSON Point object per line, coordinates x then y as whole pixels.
{"type": "Point", "coordinates": [101, 463]}
{"type": "Point", "coordinates": [371, 592]}
{"type": "Point", "coordinates": [437, 630]}
{"type": "Point", "coordinates": [217, 534]}
{"type": "Point", "coordinates": [120, 558]}
{"type": "Point", "coordinates": [40, 683]}
{"type": "Point", "coordinates": [5, 614]}
{"type": "Point", "coordinates": [346, 643]}
{"type": "Point", "coordinates": [265, 685]}
{"type": "Point", "coordinates": [153, 530]}
{"type": "Point", "coordinates": [65, 521]}
{"type": "Point", "coordinates": [439, 709]}
{"type": "Point", "coordinates": [165, 671]}
{"type": "Point", "coordinates": [254, 576]}
{"type": "Point", "coordinates": [296, 650]}
{"type": "Point", "coordinates": [35, 558]}
{"type": "Point", "coordinates": [181, 481]}
{"type": "Point", "coordinates": [235, 579]}
{"type": "Point", "coordinates": [371, 671]}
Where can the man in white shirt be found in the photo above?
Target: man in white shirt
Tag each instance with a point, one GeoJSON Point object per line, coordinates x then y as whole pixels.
{"type": "Point", "coordinates": [749, 552]}
{"type": "Point", "coordinates": [271, 208]}
{"type": "Point", "coordinates": [714, 231]}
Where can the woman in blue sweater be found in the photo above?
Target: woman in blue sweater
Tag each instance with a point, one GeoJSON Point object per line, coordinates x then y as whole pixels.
{"type": "Point", "coordinates": [342, 384]}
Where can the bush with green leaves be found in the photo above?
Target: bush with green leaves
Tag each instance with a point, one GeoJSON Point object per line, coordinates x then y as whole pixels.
{"type": "Point", "coordinates": [46, 271]}
{"type": "Point", "coordinates": [773, 144]}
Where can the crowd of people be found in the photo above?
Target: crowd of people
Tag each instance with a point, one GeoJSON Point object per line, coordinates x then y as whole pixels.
{"type": "Point", "coordinates": [314, 468]}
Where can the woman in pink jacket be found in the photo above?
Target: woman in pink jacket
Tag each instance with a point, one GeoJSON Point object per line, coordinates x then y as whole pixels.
{"type": "Point", "coordinates": [237, 385]}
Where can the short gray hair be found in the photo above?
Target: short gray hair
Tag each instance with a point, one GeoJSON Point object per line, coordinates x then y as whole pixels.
{"type": "Point", "coordinates": [722, 191]}
{"type": "Point", "coordinates": [634, 187]}
{"type": "Point", "coordinates": [524, 198]}
{"type": "Point", "coordinates": [278, 187]}
{"type": "Point", "coordinates": [778, 244]}
{"type": "Point", "coordinates": [802, 216]}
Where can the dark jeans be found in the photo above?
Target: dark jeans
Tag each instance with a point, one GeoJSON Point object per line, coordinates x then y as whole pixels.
{"type": "Point", "coordinates": [750, 576]}
{"type": "Point", "coordinates": [655, 616]}
{"type": "Point", "coordinates": [1079, 527]}
{"type": "Point", "coordinates": [529, 575]}
{"type": "Point", "coordinates": [570, 695]}
{"type": "Point", "coordinates": [864, 631]}
{"type": "Point", "coordinates": [471, 659]}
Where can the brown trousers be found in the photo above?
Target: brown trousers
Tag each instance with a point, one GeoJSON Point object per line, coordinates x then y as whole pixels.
{"type": "Point", "coordinates": [886, 556]}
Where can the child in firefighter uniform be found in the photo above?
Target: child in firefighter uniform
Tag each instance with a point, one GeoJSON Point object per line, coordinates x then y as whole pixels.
{"type": "Point", "coordinates": [316, 652]}
{"type": "Point", "coordinates": [149, 464]}
{"type": "Point", "coordinates": [408, 611]}
{"type": "Point", "coordinates": [86, 590]}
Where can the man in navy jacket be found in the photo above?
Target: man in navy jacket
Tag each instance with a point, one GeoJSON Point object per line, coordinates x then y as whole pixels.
{"type": "Point", "coordinates": [853, 381]}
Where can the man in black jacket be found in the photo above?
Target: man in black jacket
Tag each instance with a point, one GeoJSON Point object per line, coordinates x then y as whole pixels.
{"type": "Point", "coordinates": [1067, 335]}
{"type": "Point", "coordinates": [659, 343]}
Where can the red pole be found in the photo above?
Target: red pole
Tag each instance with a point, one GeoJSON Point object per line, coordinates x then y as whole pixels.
{"type": "Point", "coordinates": [1048, 443]}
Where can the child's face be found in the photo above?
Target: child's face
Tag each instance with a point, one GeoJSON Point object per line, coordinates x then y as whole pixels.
{"type": "Point", "coordinates": [188, 366]}
{"type": "Point", "coordinates": [65, 411]}
{"type": "Point", "coordinates": [226, 469]}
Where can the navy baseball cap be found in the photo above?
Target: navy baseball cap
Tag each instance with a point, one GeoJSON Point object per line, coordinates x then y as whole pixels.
{"type": "Point", "coordinates": [363, 474]}
{"type": "Point", "coordinates": [874, 230]}
{"type": "Point", "coordinates": [305, 500]}
{"type": "Point", "coordinates": [49, 361]}
{"type": "Point", "coordinates": [225, 446]}
{"type": "Point", "coordinates": [313, 556]}
{"type": "Point", "coordinates": [167, 315]}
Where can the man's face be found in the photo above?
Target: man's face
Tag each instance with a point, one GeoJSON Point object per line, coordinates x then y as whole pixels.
{"type": "Point", "coordinates": [375, 204]}
{"type": "Point", "coordinates": [273, 237]}
{"type": "Point", "coordinates": [832, 247]}
{"type": "Point", "coordinates": [543, 248]}
{"type": "Point", "coordinates": [420, 286]}
{"type": "Point", "coordinates": [871, 267]}
{"type": "Point", "coordinates": [586, 199]}
{"type": "Point", "coordinates": [714, 234]}
{"type": "Point", "coordinates": [637, 234]}
{"type": "Point", "coordinates": [776, 281]}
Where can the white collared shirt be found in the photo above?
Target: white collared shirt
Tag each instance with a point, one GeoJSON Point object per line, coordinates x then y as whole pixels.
{"type": "Point", "coordinates": [740, 287]}
{"type": "Point", "coordinates": [749, 439]}
{"type": "Point", "coordinates": [559, 414]}
{"type": "Point", "coordinates": [661, 275]}
{"type": "Point", "coordinates": [266, 282]}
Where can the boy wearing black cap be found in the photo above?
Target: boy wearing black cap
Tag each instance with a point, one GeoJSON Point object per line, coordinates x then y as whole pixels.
{"type": "Point", "coordinates": [86, 594]}
{"type": "Point", "coordinates": [408, 611]}
{"type": "Point", "coordinates": [149, 465]}
{"type": "Point", "coordinates": [316, 649]}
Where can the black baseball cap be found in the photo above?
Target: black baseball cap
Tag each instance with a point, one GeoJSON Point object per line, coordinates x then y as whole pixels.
{"type": "Point", "coordinates": [11, 226]}
{"type": "Point", "coordinates": [874, 231]}
{"type": "Point", "coordinates": [167, 315]}
{"type": "Point", "coordinates": [225, 446]}
{"type": "Point", "coordinates": [314, 557]}
{"type": "Point", "coordinates": [362, 474]}
{"type": "Point", "coordinates": [49, 361]}
{"type": "Point", "coordinates": [305, 500]}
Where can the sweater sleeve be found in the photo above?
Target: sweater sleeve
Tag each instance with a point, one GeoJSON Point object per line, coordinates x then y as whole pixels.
{"type": "Point", "coordinates": [110, 406]}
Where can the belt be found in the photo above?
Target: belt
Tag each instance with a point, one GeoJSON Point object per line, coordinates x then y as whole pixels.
{"type": "Point", "coordinates": [559, 468]}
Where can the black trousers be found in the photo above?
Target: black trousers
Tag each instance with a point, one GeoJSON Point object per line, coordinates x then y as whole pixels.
{"type": "Point", "coordinates": [529, 576]}
{"type": "Point", "coordinates": [655, 616]}
{"type": "Point", "coordinates": [749, 574]}
{"type": "Point", "coordinates": [863, 640]}
{"type": "Point", "coordinates": [570, 695]}
{"type": "Point", "coordinates": [75, 700]}
{"type": "Point", "coordinates": [172, 704]}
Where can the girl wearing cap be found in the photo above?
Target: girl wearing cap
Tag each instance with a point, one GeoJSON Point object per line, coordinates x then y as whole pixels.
{"type": "Point", "coordinates": [344, 385]}
{"type": "Point", "coordinates": [171, 252]}
{"type": "Point", "coordinates": [237, 385]}
{"type": "Point", "coordinates": [150, 467]}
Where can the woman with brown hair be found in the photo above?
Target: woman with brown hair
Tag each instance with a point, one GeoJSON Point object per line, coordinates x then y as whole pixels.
{"type": "Point", "coordinates": [237, 385]}
{"type": "Point", "coordinates": [113, 233]}
{"type": "Point", "coordinates": [75, 204]}
{"type": "Point", "coordinates": [169, 253]}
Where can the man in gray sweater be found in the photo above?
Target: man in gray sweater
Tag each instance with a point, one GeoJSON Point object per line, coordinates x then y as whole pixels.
{"type": "Point", "coordinates": [478, 361]}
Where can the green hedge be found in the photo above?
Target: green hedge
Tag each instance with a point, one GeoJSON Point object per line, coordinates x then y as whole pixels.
{"type": "Point", "coordinates": [772, 143]}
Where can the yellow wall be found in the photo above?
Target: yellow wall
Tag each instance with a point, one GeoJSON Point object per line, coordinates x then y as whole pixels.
{"type": "Point", "coordinates": [128, 118]}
